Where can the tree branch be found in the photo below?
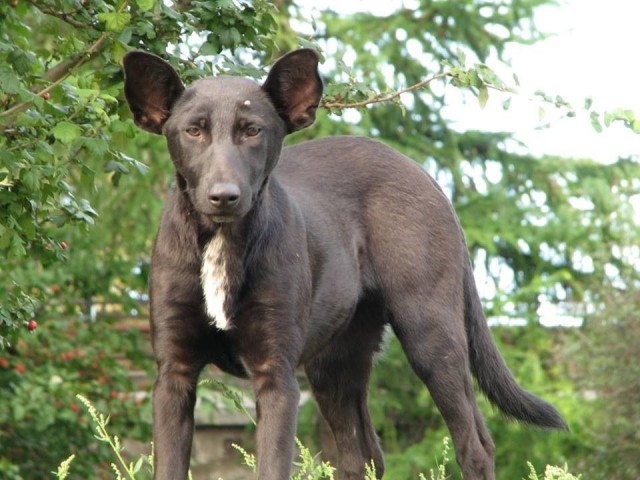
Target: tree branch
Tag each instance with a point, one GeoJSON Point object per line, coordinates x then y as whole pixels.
{"type": "Point", "coordinates": [59, 74]}
{"type": "Point", "coordinates": [64, 16]}
{"type": "Point", "coordinates": [379, 98]}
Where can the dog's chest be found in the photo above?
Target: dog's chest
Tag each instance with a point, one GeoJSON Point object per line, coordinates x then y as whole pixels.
{"type": "Point", "coordinates": [216, 282]}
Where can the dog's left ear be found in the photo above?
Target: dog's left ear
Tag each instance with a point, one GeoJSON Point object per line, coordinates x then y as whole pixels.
{"type": "Point", "coordinates": [295, 88]}
{"type": "Point", "coordinates": [151, 87]}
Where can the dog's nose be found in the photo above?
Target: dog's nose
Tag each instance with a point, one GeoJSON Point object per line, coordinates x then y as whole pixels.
{"type": "Point", "coordinates": [224, 195]}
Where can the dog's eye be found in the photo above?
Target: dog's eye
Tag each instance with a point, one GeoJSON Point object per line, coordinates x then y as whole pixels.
{"type": "Point", "coordinates": [252, 131]}
{"type": "Point", "coordinates": [193, 131]}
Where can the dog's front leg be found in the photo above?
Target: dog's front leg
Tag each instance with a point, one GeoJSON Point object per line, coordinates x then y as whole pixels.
{"type": "Point", "coordinates": [174, 397]}
{"type": "Point", "coordinates": [277, 395]}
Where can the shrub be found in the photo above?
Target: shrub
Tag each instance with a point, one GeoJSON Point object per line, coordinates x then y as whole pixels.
{"type": "Point", "coordinates": [41, 420]}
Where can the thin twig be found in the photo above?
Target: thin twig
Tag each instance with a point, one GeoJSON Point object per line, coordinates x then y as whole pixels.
{"type": "Point", "coordinates": [64, 16]}
{"type": "Point", "coordinates": [389, 98]}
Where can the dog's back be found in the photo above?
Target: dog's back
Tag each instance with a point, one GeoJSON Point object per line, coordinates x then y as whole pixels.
{"type": "Point", "coordinates": [375, 196]}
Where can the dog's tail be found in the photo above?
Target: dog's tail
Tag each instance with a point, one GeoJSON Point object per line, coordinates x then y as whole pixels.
{"type": "Point", "coordinates": [492, 373]}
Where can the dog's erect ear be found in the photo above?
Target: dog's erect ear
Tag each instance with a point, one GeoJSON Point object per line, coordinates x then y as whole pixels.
{"type": "Point", "coordinates": [295, 88]}
{"type": "Point", "coordinates": [151, 87]}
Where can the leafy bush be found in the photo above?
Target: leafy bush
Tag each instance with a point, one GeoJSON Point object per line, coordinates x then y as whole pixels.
{"type": "Point", "coordinates": [41, 420]}
{"type": "Point", "coordinates": [608, 372]}
{"type": "Point", "coordinates": [65, 134]}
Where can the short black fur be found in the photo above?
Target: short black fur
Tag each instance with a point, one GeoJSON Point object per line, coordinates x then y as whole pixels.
{"type": "Point", "coordinates": [307, 253]}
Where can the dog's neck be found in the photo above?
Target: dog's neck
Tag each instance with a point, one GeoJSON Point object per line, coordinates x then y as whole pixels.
{"type": "Point", "coordinates": [228, 251]}
{"type": "Point", "coordinates": [220, 277]}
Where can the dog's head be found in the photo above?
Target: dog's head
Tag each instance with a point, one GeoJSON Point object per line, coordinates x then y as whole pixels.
{"type": "Point", "coordinates": [224, 134]}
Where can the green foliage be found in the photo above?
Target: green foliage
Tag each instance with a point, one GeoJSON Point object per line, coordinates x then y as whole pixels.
{"type": "Point", "coordinates": [623, 116]}
{"type": "Point", "coordinates": [63, 469]}
{"type": "Point", "coordinates": [306, 468]}
{"type": "Point", "coordinates": [248, 459]}
{"type": "Point", "coordinates": [552, 473]}
{"type": "Point", "coordinates": [230, 394]}
{"type": "Point", "coordinates": [63, 137]}
{"type": "Point", "coordinates": [81, 191]}
{"type": "Point", "coordinates": [564, 215]}
{"type": "Point", "coordinates": [607, 371]}
{"type": "Point", "coordinates": [40, 421]}
{"type": "Point", "coordinates": [100, 422]}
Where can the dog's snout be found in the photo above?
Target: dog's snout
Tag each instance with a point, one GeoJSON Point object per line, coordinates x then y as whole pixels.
{"type": "Point", "coordinates": [224, 195]}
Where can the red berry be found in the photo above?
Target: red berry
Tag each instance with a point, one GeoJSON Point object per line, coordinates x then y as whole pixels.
{"type": "Point", "coordinates": [64, 245]}
{"type": "Point", "coordinates": [20, 369]}
{"type": "Point", "coordinates": [32, 325]}
{"type": "Point", "coordinates": [46, 95]}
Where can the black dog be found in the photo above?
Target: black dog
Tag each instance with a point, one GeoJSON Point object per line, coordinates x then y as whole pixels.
{"type": "Point", "coordinates": [270, 258]}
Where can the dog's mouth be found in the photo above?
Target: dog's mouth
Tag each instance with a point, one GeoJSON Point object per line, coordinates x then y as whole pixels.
{"type": "Point", "coordinates": [216, 215]}
{"type": "Point", "coordinates": [227, 218]}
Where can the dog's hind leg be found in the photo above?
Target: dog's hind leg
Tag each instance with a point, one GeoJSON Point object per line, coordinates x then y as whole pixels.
{"type": "Point", "coordinates": [432, 335]}
{"type": "Point", "coordinates": [338, 378]}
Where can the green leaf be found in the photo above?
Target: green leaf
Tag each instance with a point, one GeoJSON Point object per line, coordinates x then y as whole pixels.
{"type": "Point", "coordinates": [30, 180]}
{"type": "Point", "coordinates": [97, 146]}
{"type": "Point", "coordinates": [145, 4]}
{"type": "Point", "coordinates": [8, 80]}
{"type": "Point", "coordinates": [474, 79]}
{"type": "Point", "coordinates": [595, 122]}
{"type": "Point", "coordinates": [66, 132]}
{"type": "Point", "coordinates": [483, 96]}
{"type": "Point", "coordinates": [608, 118]}
{"type": "Point", "coordinates": [489, 76]}
{"type": "Point", "coordinates": [28, 227]}
{"type": "Point", "coordinates": [16, 248]}
{"type": "Point", "coordinates": [115, 166]}
{"type": "Point", "coordinates": [623, 114]}
{"type": "Point", "coordinates": [21, 62]}
{"type": "Point", "coordinates": [58, 220]}
{"type": "Point", "coordinates": [136, 468]}
{"type": "Point", "coordinates": [541, 113]}
{"type": "Point", "coordinates": [18, 411]}
{"type": "Point", "coordinates": [115, 21]}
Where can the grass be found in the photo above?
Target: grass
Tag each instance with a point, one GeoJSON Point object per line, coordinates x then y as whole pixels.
{"type": "Point", "coordinates": [307, 466]}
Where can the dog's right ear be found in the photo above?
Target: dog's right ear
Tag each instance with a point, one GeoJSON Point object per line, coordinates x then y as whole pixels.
{"type": "Point", "coordinates": [151, 87]}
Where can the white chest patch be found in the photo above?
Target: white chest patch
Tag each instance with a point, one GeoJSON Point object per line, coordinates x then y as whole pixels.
{"type": "Point", "coordinates": [215, 282]}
